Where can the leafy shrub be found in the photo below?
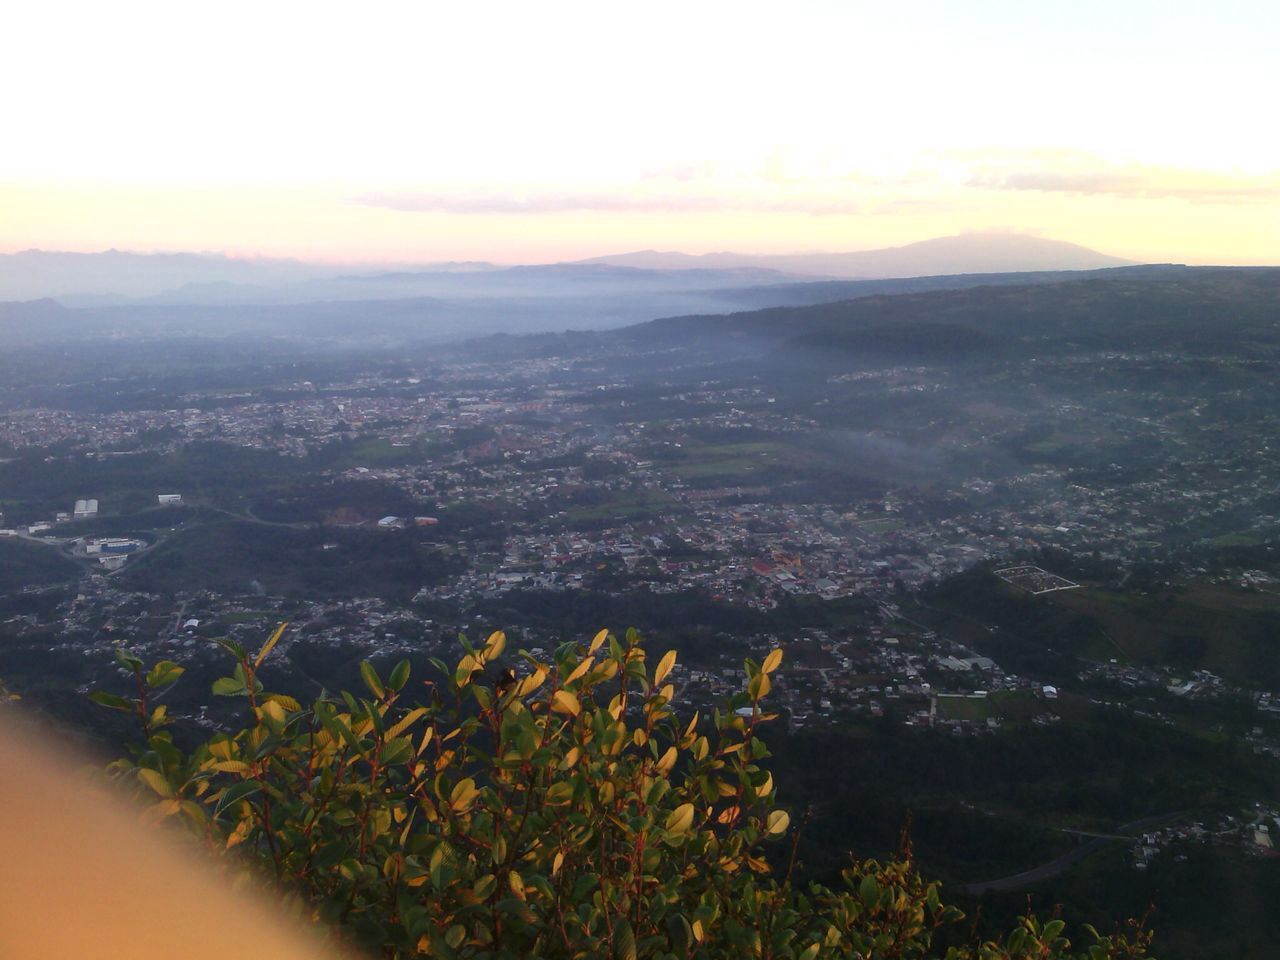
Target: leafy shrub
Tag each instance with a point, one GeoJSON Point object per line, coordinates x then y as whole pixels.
{"type": "Point", "coordinates": [529, 808]}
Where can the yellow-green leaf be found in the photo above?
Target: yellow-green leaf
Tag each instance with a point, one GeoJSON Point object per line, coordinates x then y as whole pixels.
{"type": "Point", "coordinates": [771, 662]}
{"type": "Point", "coordinates": [680, 819]}
{"type": "Point", "coordinates": [664, 667]}
{"type": "Point", "coordinates": [759, 686]}
{"type": "Point", "coordinates": [463, 793]}
{"type": "Point", "coordinates": [580, 669]}
{"type": "Point", "coordinates": [532, 682]}
{"type": "Point", "coordinates": [427, 734]}
{"type": "Point", "coordinates": [271, 642]}
{"type": "Point", "coordinates": [156, 781]}
{"type": "Point", "coordinates": [405, 722]}
{"type": "Point", "coordinates": [565, 702]}
{"type": "Point", "coordinates": [667, 760]}
{"type": "Point", "coordinates": [286, 701]}
{"type": "Point", "coordinates": [778, 822]}
{"type": "Point", "coordinates": [597, 641]}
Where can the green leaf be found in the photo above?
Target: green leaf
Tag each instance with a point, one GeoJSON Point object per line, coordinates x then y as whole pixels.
{"type": "Point", "coordinates": [869, 890]}
{"type": "Point", "coordinates": [680, 819]}
{"type": "Point", "coordinates": [462, 794]}
{"type": "Point", "coordinates": [371, 711]}
{"type": "Point", "coordinates": [559, 793]}
{"type": "Point", "coordinates": [624, 940]}
{"type": "Point", "coordinates": [229, 687]}
{"type": "Point", "coordinates": [110, 700]}
{"type": "Point", "coordinates": [164, 673]}
{"type": "Point", "coordinates": [235, 793]}
{"type": "Point", "coordinates": [680, 933]}
{"type": "Point", "coordinates": [396, 751]}
{"type": "Point", "coordinates": [371, 679]}
{"type": "Point", "coordinates": [399, 675]}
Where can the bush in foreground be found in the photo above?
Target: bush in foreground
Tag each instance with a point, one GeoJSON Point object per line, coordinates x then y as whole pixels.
{"type": "Point", "coordinates": [537, 809]}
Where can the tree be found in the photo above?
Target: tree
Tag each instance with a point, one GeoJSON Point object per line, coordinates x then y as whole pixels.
{"type": "Point", "coordinates": [528, 808]}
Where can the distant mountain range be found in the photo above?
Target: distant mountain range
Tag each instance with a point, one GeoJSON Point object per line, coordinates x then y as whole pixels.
{"type": "Point", "coordinates": [51, 297]}
{"type": "Point", "coordinates": [116, 277]}
{"type": "Point", "coordinates": [711, 316]}
{"type": "Point", "coordinates": [966, 253]}
{"type": "Point", "coordinates": [1196, 311]}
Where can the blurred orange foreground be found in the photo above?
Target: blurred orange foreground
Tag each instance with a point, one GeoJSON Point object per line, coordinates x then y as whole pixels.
{"type": "Point", "coordinates": [83, 878]}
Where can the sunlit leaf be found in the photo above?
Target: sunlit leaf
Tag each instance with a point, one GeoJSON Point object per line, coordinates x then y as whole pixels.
{"type": "Point", "coordinates": [565, 702]}
{"type": "Point", "coordinates": [156, 781]}
{"type": "Point", "coordinates": [680, 819]}
{"type": "Point", "coordinates": [463, 793]}
{"type": "Point", "coordinates": [271, 642]}
{"type": "Point", "coordinates": [580, 669]}
{"type": "Point", "coordinates": [664, 667]}
{"type": "Point", "coordinates": [598, 641]}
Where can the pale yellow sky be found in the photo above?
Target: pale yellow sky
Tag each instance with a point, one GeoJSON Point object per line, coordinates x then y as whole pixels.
{"type": "Point", "coordinates": [534, 132]}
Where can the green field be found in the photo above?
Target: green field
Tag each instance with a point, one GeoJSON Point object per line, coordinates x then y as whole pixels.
{"type": "Point", "coordinates": [205, 473]}
{"type": "Point", "coordinates": [380, 452]}
{"type": "Point", "coordinates": [238, 559]}
{"type": "Point", "coordinates": [972, 709]}
{"type": "Point", "coordinates": [625, 505]}
{"type": "Point", "coordinates": [1232, 632]}
{"type": "Point", "coordinates": [28, 564]}
{"type": "Point", "coordinates": [732, 462]}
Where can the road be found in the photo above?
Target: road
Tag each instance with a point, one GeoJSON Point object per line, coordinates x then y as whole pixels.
{"type": "Point", "coordinates": [1020, 881]}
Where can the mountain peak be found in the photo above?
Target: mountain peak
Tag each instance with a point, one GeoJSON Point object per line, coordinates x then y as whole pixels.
{"type": "Point", "coordinates": [993, 252]}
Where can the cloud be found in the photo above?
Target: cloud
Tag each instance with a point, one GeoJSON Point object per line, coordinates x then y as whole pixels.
{"type": "Point", "coordinates": [622, 199]}
{"type": "Point", "coordinates": [807, 187]}
{"type": "Point", "coordinates": [1084, 175]}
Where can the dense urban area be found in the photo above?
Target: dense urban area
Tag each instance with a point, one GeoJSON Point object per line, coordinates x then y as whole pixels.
{"type": "Point", "coordinates": [1044, 578]}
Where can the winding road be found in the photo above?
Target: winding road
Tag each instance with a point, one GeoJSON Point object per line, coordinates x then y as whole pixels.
{"type": "Point", "coordinates": [1059, 865]}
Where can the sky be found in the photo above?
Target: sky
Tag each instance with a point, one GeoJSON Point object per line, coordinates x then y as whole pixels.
{"type": "Point", "coordinates": [534, 132]}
